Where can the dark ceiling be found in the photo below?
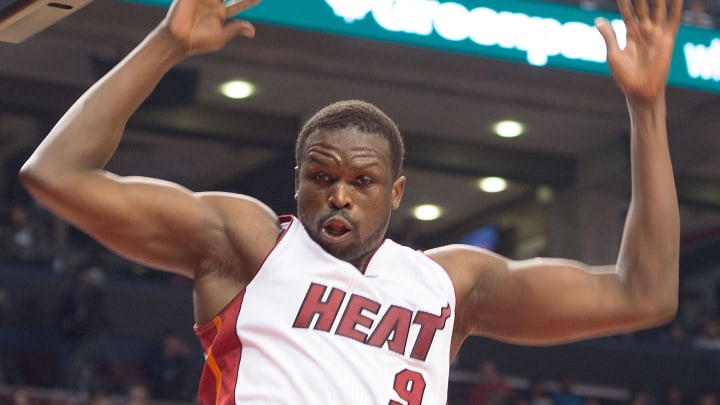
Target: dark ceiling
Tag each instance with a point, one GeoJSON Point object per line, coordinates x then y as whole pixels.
{"type": "Point", "coordinates": [444, 103]}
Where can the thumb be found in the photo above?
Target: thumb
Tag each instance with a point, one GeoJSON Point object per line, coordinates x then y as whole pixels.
{"type": "Point", "coordinates": [608, 34]}
{"type": "Point", "coordinates": [236, 28]}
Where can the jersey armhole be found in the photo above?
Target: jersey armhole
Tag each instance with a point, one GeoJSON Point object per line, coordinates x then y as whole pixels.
{"type": "Point", "coordinates": [285, 222]}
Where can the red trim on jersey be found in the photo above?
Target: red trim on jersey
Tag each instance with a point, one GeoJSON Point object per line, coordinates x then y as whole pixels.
{"type": "Point", "coordinates": [223, 348]}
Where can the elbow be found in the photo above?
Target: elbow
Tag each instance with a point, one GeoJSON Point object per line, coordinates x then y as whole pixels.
{"type": "Point", "coordinates": [31, 176]}
{"type": "Point", "coordinates": [654, 294]}
{"type": "Point", "coordinates": [668, 301]}
{"type": "Point", "coordinates": [664, 315]}
{"type": "Point", "coordinates": [663, 310]}
{"type": "Point", "coordinates": [37, 179]}
{"type": "Point", "coordinates": [668, 312]}
{"type": "Point", "coordinates": [28, 175]}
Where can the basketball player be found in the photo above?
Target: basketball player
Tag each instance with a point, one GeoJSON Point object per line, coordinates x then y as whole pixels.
{"type": "Point", "coordinates": [322, 308]}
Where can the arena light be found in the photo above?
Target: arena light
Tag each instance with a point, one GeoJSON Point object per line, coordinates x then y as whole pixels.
{"type": "Point", "coordinates": [237, 89]}
{"type": "Point", "coordinates": [544, 194]}
{"type": "Point", "coordinates": [427, 212]}
{"type": "Point", "coordinates": [508, 129]}
{"type": "Point", "coordinates": [492, 184]}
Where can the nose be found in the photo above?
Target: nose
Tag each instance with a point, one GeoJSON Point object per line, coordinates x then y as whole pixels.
{"type": "Point", "coordinates": [340, 196]}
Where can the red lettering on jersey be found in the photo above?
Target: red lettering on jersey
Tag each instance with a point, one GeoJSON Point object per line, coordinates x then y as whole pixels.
{"type": "Point", "coordinates": [396, 322]}
{"type": "Point", "coordinates": [393, 327]}
{"type": "Point", "coordinates": [429, 324]}
{"type": "Point", "coordinates": [313, 304]}
{"type": "Point", "coordinates": [353, 316]}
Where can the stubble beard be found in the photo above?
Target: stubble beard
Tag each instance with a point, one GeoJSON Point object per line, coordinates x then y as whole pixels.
{"type": "Point", "coordinates": [357, 253]}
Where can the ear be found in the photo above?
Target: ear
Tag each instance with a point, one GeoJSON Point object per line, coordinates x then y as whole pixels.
{"type": "Point", "coordinates": [397, 191]}
{"type": "Point", "coordinates": [297, 177]}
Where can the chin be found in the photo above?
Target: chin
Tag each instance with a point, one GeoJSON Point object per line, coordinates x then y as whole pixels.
{"type": "Point", "coordinates": [346, 253]}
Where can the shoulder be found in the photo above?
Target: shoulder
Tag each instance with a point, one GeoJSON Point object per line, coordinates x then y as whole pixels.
{"type": "Point", "coordinates": [471, 269]}
{"type": "Point", "coordinates": [232, 207]}
{"type": "Point", "coordinates": [232, 203]}
{"type": "Point", "coordinates": [458, 259]}
{"type": "Point", "coordinates": [249, 227]}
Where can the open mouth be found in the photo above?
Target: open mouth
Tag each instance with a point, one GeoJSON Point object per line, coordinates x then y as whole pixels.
{"type": "Point", "coordinates": [335, 229]}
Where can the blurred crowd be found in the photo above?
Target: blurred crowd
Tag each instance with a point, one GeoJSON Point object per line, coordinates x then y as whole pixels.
{"type": "Point", "coordinates": [493, 388]}
{"type": "Point", "coordinates": [80, 354]}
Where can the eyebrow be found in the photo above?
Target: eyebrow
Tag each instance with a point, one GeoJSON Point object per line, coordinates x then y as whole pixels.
{"type": "Point", "coordinates": [314, 154]}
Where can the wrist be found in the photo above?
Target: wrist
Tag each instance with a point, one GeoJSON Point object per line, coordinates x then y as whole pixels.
{"type": "Point", "coordinates": [161, 44]}
{"type": "Point", "coordinates": [648, 113]}
{"type": "Point", "coordinates": [640, 104]}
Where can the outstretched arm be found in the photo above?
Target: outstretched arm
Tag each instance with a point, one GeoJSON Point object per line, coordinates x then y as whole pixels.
{"type": "Point", "coordinates": [544, 301]}
{"type": "Point", "coordinates": [151, 221]}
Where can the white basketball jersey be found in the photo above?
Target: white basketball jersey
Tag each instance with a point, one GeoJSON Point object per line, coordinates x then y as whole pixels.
{"type": "Point", "coordinates": [312, 329]}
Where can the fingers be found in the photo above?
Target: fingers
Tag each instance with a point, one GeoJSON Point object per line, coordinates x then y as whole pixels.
{"type": "Point", "coordinates": [608, 34]}
{"type": "Point", "coordinates": [676, 11]}
{"type": "Point", "coordinates": [238, 28]}
{"type": "Point", "coordinates": [642, 10]}
{"type": "Point", "coordinates": [659, 10]}
{"type": "Point", "coordinates": [626, 11]}
{"type": "Point", "coordinates": [233, 7]}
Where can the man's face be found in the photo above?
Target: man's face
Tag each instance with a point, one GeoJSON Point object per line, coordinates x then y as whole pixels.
{"type": "Point", "coordinates": [346, 192]}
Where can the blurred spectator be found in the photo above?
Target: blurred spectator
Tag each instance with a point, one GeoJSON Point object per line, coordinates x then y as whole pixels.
{"type": "Point", "coordinates": [701, 314]}
{"type": "Point", "coordinates": [81, 311]}
{"type": "Point", "coordinates": [566, 395]}
{"type": "Point", "coordinates": [99, 397]}
{"type": "Point", "coordinates": [641, 397]}
{"type": "Point", "coordinates": [172, 373]}
{"type": "Point", "coordinates": [707, 398]}
{"type": "Point", "coordinates": [138, 394]}
{"type": "Point", "coordinates": [82, 320]}
{"type": "Point", "coordinates": [491, 388]}
{"type": "Point", "coordinates": [516, 399]}
{"type": "Point", "coordinates": [25, 237]}
{"type": "Point", "coordinates": [709, 338]}
{"type": "Point", "coordinates": [21, 397]}
{"type": "Point", "coordinates": [673, 334]}
{"type": "Point", "coordinates": [696, 15]}
{"type": "Point", "coordinates": [673, 396]}
{"type": "Point", "coordinates": [7, 307]}
{"type": "Point", "coordinates": [538, 393]}
{"type": "Point", "coordinates": [11, 371]}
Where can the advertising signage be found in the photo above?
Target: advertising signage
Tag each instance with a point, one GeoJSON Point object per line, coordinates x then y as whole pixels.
{"type": "Point", "coordinates": [536, 33]}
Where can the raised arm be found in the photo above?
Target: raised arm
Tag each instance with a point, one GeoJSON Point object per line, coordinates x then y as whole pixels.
{"type": "Point", "coordinates": [545, 301]}
{"type": "Point", "coordinates": [150, 221]}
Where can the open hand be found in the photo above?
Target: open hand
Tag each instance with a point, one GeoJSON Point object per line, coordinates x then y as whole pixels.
{"type": "Point", "coordinates": [641, 69]}
{"type": "Point", "coordinates": [202, 25]}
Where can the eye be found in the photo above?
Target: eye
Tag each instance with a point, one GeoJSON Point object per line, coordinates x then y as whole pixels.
{"type": "Point", "coordinates": [320, 177]}
{"type": "Point", "coordinates": [364, 180]}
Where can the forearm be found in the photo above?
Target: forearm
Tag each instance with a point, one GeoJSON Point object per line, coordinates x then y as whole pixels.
{"type": "Point", "coordinates": [649, 255]}
{"type": "Point", "coordinates": [88, 134]}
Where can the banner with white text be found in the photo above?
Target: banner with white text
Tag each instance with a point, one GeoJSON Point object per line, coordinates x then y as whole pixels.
{"type": "Point", "coordinates": [537, 33]}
